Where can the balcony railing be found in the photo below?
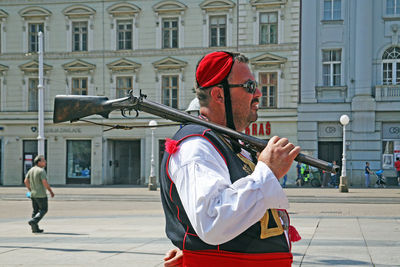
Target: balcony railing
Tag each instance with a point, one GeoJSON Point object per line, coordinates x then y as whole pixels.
{"type": "Point", "coordinates": [387, 93]}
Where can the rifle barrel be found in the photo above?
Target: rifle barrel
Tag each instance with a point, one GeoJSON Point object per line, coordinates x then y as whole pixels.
{"type": "Point", "coordinates": [71, 108]}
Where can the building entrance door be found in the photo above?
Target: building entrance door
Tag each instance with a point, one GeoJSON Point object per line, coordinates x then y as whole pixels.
{"type": "Point", "coordinates": [330, 151]}
{"type": "Point", "coordinates": [29, 153]}
{"type": "Point", "coordinates": [127, 162]}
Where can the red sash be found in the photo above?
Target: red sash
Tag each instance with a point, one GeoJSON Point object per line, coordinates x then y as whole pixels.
{"type": "Point", "coordinates": [212, 258]}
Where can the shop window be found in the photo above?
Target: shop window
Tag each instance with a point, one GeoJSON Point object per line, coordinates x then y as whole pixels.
{"type": "Point", "coordinates": [390, 152]}
{"type": "Point", "coordinates": [30, 151]}
{"type": "Point", "coordinates": [78, 161]}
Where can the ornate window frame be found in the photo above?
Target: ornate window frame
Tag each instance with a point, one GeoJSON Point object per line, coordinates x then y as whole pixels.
{"type": "Point", "coordinates": [217, 8]}
{"type": "Point", "coordinates": [79, 69]}
{"type": "Point", "coordinates": [124, 11]}
{"type": "Point", "coordinates": [34, 14]}
{"type": "Point", "coordinates": [267, 6]}
{"type": "Point", "coordinates": [79, 13]}
{"type": "Point", "coordinates": [169, 9]}
{"type": "Point", "coordinates": [3, 86]}
{"type": "Point", "coordinates": [3, 18]}
{"type": "Point", "coordinates": [123, 68]}
{"type": "Point", "coordinates": [170, 66]}
{"type": "Point", "coordinates": [271, 63]}
{"type": "Point", "coordinates": [30, 71]}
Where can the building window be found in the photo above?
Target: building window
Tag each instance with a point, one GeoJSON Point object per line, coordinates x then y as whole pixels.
{"type": "Point", "coordinates": [269, 28]}
{"type": "Point", "coordinates": [268, 86]}
{"type": "Point", "coordinates": [170, 90]}
{"type": "Point", "coordinates": [79, 36]}
{"type": "Point", "coordinates": [124, 84]}
{"type": "Point", "coordinates": [33, 94]}
{"type": "Point", "coordinates": [391, 66]}
{"type": "Point", "coordinates": [393, 7]}
{"type": "Point", "coordinates": [124, 34]}
{"type": "Point", "coordinates": [78, 161]}
{"type": "Point", "coordinates": [217, 30]}
{"type": "Point", "coordinates": [79, 86]}
{"type": "Point", "coordinates": [170, 33]}
{"type": "Point", "coordinates": [331, 67]}
{"type": "Point", "coordinates": [34, 29]}
{"type": "Point", "coordinates": [332, 9]}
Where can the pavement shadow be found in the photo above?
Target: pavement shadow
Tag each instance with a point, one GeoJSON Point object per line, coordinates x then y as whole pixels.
{"type": "Point", "coordinates": [55, 233]}
{"type": "Point", "coordinates": [84, 250]}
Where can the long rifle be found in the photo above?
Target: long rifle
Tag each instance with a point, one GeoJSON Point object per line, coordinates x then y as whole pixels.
{"type": "Point", "coordinates": [74, 107]}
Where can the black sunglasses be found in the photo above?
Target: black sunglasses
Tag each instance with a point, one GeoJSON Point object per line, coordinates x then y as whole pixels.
{"type": "Point", "coordinates": [250, 85]}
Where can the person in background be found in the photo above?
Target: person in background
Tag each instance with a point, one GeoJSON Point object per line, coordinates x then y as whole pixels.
{"type": "Point", "coordinates": [36, 182]}
{"type": "Point", "coordinates": [367, 174]}
{"type": "Point", "coordinates": [334, 180]}
{"type": "Point", "coordinates": [397, 166]}
{"type": "Point", "coordinates": [224, 205]}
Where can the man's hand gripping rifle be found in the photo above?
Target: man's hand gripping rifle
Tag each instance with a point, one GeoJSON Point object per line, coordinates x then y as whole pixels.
{"type": "Point", "coordinates": [74, 107]}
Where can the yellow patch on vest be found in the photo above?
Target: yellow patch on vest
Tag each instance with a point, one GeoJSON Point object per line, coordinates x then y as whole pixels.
{"type": "Point", "coordinates": [267, 232]}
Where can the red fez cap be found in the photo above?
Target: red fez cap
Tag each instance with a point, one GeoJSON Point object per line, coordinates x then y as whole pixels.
{"type": "Point", "coordinates": [213, 68]}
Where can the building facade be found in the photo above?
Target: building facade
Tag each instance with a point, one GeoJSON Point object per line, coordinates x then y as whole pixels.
{"type": "Point", "coordinates": [349, 59]}
{"type": "Point", "coordinates": [107, 48]}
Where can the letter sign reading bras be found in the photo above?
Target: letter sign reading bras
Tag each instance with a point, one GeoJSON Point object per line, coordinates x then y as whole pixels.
{"type": "Point", "coordinates": [260, 129]}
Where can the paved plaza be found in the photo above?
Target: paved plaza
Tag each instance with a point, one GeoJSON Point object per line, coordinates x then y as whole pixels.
{"type": "Point", "coordinates": [124, 226]}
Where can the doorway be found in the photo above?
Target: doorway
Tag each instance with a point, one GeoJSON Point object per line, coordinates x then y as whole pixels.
{"type": "Point", "coordinates": [29, 153]}
{"type": "Point", "coordinates": [330, 151]}
{"type": "Point", "coordinates": [127, 162]}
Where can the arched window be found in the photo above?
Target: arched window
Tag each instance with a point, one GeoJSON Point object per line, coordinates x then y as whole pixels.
{"type": "Point", "coordinates": [391, 66]}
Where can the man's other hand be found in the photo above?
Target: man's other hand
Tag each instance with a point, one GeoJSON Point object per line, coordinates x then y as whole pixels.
{"type": "Point", "coordinates": [173, 258]}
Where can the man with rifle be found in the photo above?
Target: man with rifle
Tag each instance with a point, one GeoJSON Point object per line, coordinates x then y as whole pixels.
{"type": "Point", "coordinates": [223, 205]}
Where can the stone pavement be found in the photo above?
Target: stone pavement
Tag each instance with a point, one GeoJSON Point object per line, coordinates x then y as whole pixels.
{"type": "Point", "coordinates": [124, 226]}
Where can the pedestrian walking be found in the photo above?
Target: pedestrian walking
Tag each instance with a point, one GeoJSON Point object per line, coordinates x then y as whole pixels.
{"type": "Point", "coordinates": [367, 174]}
{"type": "Point", "coordinates": [36, 182]}
{"type": "Point", "coordinates": [397, 166]}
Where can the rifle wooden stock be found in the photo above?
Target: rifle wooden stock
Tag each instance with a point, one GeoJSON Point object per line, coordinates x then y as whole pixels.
{"type": "Point", "coordinates": [73, 107]}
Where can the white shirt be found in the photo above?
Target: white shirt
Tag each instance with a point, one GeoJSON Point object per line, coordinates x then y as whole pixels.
{"type": "Point", "coordinates": [217, 209]}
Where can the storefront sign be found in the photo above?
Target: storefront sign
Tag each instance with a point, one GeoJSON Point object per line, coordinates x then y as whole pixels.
{"type": "Point", "coordinates": [391, 130]}
{"type": "Point", "coordinates": [329, 130]}
{"type": "Point", "coordinates": [62, 130]}
{"type": "Point", "coordinates": [259, 129]}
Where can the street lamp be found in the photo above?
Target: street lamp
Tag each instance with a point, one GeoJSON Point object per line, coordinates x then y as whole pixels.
{"type": "Point", "coordinates": [344, 120]}
{"type": "Point", "coordinates": [152, 178]}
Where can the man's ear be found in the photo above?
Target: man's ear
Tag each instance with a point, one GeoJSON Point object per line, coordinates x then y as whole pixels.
{"type": "Point", "coordinates": [217, 94]}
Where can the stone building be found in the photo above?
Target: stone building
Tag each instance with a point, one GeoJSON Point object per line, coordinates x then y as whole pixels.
{"type": "Point", "coordinates": [350, 53]}
{"type": "Point", "coordinates": [106, 48]}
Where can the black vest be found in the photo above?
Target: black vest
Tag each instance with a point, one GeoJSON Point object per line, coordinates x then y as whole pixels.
{"type": "Point", "coordinates": [178, 227]}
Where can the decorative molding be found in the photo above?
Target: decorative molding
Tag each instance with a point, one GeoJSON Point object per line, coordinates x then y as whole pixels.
{"type": "Point", "coordinates": [169, 63]}
{"type": "Point", "coordinates": [79, 11]}
{"type": "Point", "coordinates": [169, 7]}
{"type": "Point", "coordinates": [268, 59]}
{"type": "Point", "coordinates": [262, 4]}
{"type": "Point", "coordinates": [79, 66]}
{"type": "Point", "coordinates": [34, 12]}
{"type": "Point", "coordinates": [3, 69]}
{"type": "Point", "coordinates": [123, 65]}
{"type": "Point", "coordinates": [217, 5]}
{"type": "Point", "coordinates": [33, 67]}
{"type": "Point", "coordinates": [3, 14]}
{"type": "Point", "coordinates": [123, 10]}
